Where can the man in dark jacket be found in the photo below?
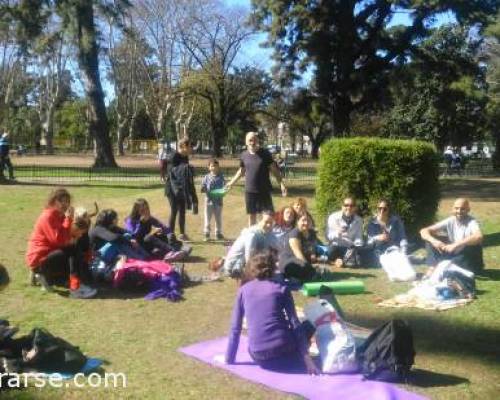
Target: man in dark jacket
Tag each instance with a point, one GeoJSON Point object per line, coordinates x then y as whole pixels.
{"type": "Point", "coordinates": [4, 157]}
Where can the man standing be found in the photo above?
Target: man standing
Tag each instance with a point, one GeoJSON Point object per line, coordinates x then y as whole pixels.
{"type": "Point", "coordinates": [256, 164]}
{"type": "Point", "coordinates": [344, 232]}
{"type": "Point", "coordinates": [4, 157]}
{"type": "Point", "coordinates": [457, 238]}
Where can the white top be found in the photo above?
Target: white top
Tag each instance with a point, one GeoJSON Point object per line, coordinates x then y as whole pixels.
{"type": "Point", "coordinates": [457, 230]}
{"type": "Point", "coordinates": [342, 234]}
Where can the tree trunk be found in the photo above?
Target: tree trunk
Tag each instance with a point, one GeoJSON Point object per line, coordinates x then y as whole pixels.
{"type": "Point", "coordinates": [47, 126]}
{"type": "Point", "coordinates": [216, 141]}
{"type": "Point", "coordinates": [89, 68]}
{"type": "Point", "coordinates": [496, 154]}
{"type": "Point", "coordinates": [342, 109]}
{"type": "Point", "coordinates": [121, 134]}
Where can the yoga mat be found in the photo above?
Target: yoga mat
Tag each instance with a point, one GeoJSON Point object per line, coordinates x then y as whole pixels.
{"type": "Point", "coordinates": [91, 365]}
{"type": "Point", "coordinates": [323, 387]}
{"type": "Point", "coordinates": [339, 287]}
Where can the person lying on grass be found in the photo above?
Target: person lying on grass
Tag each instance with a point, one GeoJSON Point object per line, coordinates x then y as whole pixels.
{"type": "Point", "coordinates": [277, 340]}
{"type": "Point", "coordinates": [52, 252]}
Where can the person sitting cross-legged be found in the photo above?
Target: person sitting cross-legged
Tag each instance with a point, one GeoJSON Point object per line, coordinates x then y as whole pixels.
{"type": "Point", "coordinates": [344, 232]}
{"type": "Point", "coordinates": [457, 238]}
{"type": "Point", "coordinates": [385, 230]}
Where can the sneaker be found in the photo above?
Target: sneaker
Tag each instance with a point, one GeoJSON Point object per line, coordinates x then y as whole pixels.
{"type": "Point", "coordinates": [42, 281]}
{"type": "Point", "coordinates": [219, 236]}
{"type": "Point", "coordinates": [83, 292]}
{"type": "Point", "coordinates": [183, 237]}
{"type": "Point", "coordinates": [32, 279]}
{"type": "Point", "coordinates": [206, 238]}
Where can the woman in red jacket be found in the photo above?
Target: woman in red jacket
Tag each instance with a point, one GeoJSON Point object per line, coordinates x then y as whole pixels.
{"type": "Point", "coordinates": [51, 250]}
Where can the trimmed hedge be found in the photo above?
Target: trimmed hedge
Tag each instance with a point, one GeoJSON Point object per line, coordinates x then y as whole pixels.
{"type": "Point", "coordinates": [405, 172]}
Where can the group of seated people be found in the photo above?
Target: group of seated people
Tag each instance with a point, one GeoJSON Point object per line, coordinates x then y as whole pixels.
{"type": "Point", "coordinates": [277, 340]}
{"type": "Point", "coordinates": [64, 248]}
{"type": "Point", "coordinates": [291, 234]}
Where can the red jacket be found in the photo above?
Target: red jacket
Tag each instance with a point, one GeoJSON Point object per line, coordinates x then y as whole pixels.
{"type": "Point", "coordinates": [52, 231]}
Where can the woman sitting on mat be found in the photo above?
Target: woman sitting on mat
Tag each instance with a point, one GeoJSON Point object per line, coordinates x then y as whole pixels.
{"type": "Point", "coordinates": [52, 252]}
{"type": "Point", "coordinates": [300, 251]}
{"type": "Point", "coordinates": [156, 238]}
{"type": "Point", "coordinates": [284, 223]}
{"type": "Point", "coordinates": [277, 340]}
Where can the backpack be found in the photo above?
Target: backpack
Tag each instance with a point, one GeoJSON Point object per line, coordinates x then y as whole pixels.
{"type": "Point", "coordinates": [388, 353]}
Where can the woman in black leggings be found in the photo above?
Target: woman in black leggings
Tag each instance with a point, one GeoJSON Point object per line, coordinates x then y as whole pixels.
{"type": "Point", "coordinates": [179, 186]}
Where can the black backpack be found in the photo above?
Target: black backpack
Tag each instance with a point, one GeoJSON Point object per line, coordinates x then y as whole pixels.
{"type": "Point", "coordinates": [388, 353]}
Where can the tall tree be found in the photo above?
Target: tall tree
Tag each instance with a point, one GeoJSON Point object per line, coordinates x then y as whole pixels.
{"type": "Point", "coordinates": [78, 18]}
{"type": "Point", "coordinates": [492, 60]}
{"type": "Point", "coordinates": [213, 37]}
{"type": "Point", "coordinates": [441, 95]}
{"type": "Point", "coordinates": [351, 44]}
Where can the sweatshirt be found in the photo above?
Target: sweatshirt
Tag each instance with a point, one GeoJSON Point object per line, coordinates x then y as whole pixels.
{"type": "Point", "coordinates": [52, 231]}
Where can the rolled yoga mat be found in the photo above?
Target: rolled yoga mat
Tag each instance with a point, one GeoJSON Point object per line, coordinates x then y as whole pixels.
{"type": "Point", "coordinates": [339, 287]}
{"type": "Point", "coordinates": [218, 193]}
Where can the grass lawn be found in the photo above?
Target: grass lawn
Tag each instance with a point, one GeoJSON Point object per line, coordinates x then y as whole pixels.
{"type": "Point", "coordinates": [458, 351]}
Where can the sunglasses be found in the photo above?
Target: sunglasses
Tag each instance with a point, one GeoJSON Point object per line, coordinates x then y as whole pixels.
{"type": "Point", "coordinates": [349, 205]}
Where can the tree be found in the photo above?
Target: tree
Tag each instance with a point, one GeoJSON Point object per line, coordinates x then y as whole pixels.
{"type": "Point", "coordinates": [493, 79]}
{"type": "Point", "coordinates": [213, 37]}
{"type": "Point", "coordinates": [441, 95]}
{"type": "Point", "coordinates": [350, 45]}
{"type": "Point", "coordinates": [79, 21]}
{"type": "Point", "coordinates": [310, 117]}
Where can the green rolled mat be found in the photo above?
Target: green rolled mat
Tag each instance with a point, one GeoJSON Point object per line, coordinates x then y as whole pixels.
{"type": "Point", "coordinates": [218, 192]}
{"type": "Point", "coordinates": [338, 287]}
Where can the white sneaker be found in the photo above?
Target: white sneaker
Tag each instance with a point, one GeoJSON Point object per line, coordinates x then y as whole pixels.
{"type": "Point", "coordinates": [83, 292]}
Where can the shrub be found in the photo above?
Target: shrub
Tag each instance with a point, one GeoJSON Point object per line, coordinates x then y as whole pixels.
{"type": "Point", "coordinates": [403, 171]}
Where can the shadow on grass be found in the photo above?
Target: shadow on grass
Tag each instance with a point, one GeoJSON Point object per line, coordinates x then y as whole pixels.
{"type": "Point", "coordinates": [491, 239]}
{"type": "Point", "coordinates": [103, 184]}
{"type": "Point", "coordinates": [426, 379]}
{"type": "Point", "coordinates": [489, 274]}
{"type": "Point", "coordinates": [436, 335]}
{"type": "Point", "coordinates": [478, 189]}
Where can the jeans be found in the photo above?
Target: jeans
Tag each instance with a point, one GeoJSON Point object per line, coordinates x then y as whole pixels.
{"type": "Point", "coordinates": [470, 257]}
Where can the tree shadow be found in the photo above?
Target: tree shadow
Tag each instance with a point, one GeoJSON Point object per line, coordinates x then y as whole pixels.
{"type": "Point", "coordinates": [91, 185]}
{"type": "Point", "coordinates": [437, 335]}
{"type": "Point", "coordinates": [427, 379]}
{"type": "Point", "coordinates": [491, 239]}
{"type": "Point", "coordinates": [489, 274]}
{"type": "Point", "coordinates": [480, 189]}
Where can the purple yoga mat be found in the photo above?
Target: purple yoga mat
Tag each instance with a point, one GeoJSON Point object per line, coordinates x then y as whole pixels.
{"type": "Point", "coordinates": [345, 387]}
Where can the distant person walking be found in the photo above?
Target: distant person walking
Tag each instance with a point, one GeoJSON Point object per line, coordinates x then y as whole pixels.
{"type": "Point", "coordinates": [256, 164]}
{"type": "Point", "coordinates": [5, 158]}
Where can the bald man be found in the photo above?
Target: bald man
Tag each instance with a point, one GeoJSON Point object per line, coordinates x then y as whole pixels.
{"type": "Point", "coordinates": [457, 238]}
{"type": "Point", "coordinates": [255, 164]}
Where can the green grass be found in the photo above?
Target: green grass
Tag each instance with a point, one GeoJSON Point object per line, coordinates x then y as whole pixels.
{"type": "Point", "coordinates": [457, 351]}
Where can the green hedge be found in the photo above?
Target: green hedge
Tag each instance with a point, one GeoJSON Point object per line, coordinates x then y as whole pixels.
{"type": "Point", "coordinates": [403, 171]}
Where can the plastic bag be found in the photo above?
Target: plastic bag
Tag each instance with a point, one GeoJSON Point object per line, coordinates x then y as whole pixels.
{"type": "Point", "coordinates": [397, 266]}
{"type": "Point", "coordinates": [335, 342]}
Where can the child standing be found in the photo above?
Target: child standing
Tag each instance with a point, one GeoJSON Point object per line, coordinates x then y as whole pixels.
{"type": "Point", "coordinates": [213, 205]}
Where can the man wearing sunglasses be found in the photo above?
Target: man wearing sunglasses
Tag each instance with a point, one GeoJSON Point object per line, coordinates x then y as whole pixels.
{"type": "Point", "coordinates": [344, 232]}
{"type": "Point", "coordinates": [457, 238]}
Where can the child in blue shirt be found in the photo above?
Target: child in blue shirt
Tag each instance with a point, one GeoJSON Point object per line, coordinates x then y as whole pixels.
{"type": "Point", "coordinates": [213, 205]}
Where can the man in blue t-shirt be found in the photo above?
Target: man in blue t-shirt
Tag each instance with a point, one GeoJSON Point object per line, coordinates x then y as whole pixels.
{"type": "Point", "coordinates": [256, 164]}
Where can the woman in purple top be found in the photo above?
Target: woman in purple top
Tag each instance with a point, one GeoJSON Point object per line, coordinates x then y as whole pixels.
{"type": "Point", "coordinates": [150, 233]}
{"type": "Point", "coordinates": [277, 340]}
